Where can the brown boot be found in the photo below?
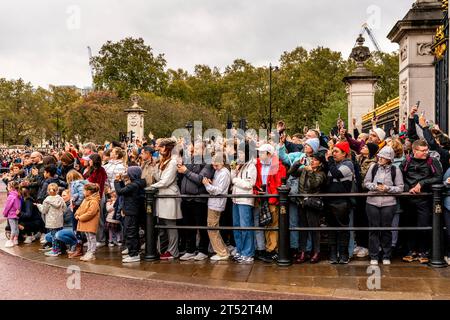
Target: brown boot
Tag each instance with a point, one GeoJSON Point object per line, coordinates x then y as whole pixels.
{"type": "Point", "coordinates": [78, 251]}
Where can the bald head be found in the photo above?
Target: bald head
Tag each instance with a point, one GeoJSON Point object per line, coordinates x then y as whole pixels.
{"type": "Point", "coordinates": [36, 157]}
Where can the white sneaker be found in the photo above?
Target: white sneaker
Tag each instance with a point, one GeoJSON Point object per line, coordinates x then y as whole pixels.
{"type": "Point", "coordinates": [246, 260]}
{"type": "Point", "coordinates": [111, 244]}
{"type": "Point", "coordinates": [28, 240]}
{"type": "Point", "coordinates": [373, 262]}
{"type": "Point", "coordinates": [362, 253]}
{"type": "Point", "coordinates": [88, 257]}
{"type": "Point", "coordinates": [129, 259]}
{"type": "Point", "coordinates": [447, 260]}
{"type": "Point", "coordinates": [219, 258]}
{"type": "Point", "coordinates": [187, 256]}
{"type": "Point", "coordinates": [386, 261]}
{"type": "Point", "coordinates": [100, 244]}
{"type": "Point", "coordinates": [16, 242]}
{"type": "Point", "coordinates": [42, 240]}
{"type": "Point", "coordinates": [125, 252]}
{"type": "Point", "coordinates": [9, 244]}
{"type": "Point", "coordinates": [200, 256]}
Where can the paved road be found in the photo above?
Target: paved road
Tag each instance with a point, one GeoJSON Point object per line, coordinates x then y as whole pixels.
{"type": "Point", "coordinates": [22, 279]}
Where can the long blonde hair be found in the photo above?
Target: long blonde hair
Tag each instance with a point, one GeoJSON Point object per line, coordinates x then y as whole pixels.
{"type": "Point", "coordinates": [73, 175]}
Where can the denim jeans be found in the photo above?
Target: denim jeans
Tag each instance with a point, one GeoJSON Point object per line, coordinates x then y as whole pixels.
{"type": "Point", "coordinates": [351, 243]}
{"type": "Point", "coordinates": [51, 237]}
{"type": "Point", "coordinates": [294, 223]}
{"type": "Point", "coordinates": [245, 240]}
{"type": "Point", "coordinates": [67, 236]}
{"type": "Point", "coordinates": [260, 238]}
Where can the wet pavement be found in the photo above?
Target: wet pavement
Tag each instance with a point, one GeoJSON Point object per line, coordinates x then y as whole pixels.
{"type": "Point", "coordinates": [217, 280]}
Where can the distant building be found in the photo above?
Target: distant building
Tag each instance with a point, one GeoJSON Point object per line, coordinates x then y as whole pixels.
{"type": "Point", "coordinates": [84, 91]}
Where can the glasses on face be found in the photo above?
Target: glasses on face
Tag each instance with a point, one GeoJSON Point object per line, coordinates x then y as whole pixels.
{"type": "Point", "coordinates": [423, 150]}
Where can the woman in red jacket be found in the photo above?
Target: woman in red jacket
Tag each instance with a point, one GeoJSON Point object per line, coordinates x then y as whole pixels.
{"type": "Point", "coordinates": [270, 171]}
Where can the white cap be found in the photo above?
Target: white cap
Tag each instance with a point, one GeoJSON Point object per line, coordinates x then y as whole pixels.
{"type": "Point", "coordinates": [267, 148]}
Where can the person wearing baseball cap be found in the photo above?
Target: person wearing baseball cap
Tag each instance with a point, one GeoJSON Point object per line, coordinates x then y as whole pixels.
{"type": "Point", "coordinates": [340, 180]}
{"type": "Point", "coordinates": [270, 171]}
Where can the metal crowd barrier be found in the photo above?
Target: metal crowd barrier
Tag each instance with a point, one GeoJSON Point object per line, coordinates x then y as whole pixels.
{"type": "Point", "coordinates": [283, 229]}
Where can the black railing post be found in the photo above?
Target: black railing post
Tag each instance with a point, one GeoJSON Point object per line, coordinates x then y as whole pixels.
{"type": "Point", "coordinates": [284, 257]}
{"type": "Point", "coordinates": [437, 255]}
{"type": "Point", "coordinates": [151, 254]}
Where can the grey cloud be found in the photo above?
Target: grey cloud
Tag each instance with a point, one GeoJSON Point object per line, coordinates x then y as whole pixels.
{"type": "Point", "coordinates": [37, 45]}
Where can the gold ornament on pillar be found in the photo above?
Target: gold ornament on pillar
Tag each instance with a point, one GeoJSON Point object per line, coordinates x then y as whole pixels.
{"type": "Point", "coordinates": [440, 43]}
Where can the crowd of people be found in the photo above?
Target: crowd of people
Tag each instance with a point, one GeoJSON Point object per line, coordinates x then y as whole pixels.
{"type": "Point", "coordinates": [83, 197]}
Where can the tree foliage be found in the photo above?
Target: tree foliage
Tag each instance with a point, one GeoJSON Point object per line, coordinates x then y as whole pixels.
{"type": "Point", "coordinates": [127, 66]}
{"type": "Point", "coordinates": [306, 87]}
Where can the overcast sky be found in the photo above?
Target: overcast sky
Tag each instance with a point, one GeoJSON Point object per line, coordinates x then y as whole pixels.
{"type": "Point", "coordinates": [44, 41]}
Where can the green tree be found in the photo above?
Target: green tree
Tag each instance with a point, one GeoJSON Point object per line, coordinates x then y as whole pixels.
{"type": "Point", "coordinates": [305, 82]}
{"type": "Point", "coordinates": [385, 65]}
{"type": "Point", "coordinates": [96, 117]}
{"type": "Point", "coordinates": [336, 105]}
{"type": "Point", "coordinates": [127, 66]}
{"type": "Point", "coordinates": [25, 111]}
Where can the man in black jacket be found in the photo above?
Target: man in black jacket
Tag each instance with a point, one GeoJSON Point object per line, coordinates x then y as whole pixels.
{"type": "Point", "coordinates": [420, 172]}
{"type": "Point", "coordinates": [195, 210]}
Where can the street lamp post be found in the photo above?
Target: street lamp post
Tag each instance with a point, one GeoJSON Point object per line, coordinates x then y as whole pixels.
{"type": "Point", "coordinates": [275, 68]}
{"type": "Point", "coordinates": [3, 131]}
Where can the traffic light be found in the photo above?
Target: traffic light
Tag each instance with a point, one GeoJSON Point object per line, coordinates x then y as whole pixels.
{"type": "Point", "coordinates": [243, 124]}
{"type": "Point", "coordinates": [132, 135]}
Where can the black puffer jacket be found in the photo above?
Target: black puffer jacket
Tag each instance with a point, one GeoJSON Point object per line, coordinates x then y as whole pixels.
{"type": "Point", "coordinates": [133, 195]}
{"type": "Point", "coordinates": [29, 214]}
{"type": "Point", "coordinates": [424, 171]}
{"type": "Point", "coordinates": [191, 180]}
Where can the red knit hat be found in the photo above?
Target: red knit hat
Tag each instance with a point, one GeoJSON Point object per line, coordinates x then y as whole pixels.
{"type": "Point", "coordinates": [343, 146]}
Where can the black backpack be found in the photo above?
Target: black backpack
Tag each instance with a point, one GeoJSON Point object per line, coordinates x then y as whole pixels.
{"type": "Point", "coordinates": [393, 172]}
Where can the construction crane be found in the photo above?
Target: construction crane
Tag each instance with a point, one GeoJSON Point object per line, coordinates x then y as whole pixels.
{"type": "Point", "coordinates": [365, 28]}
{"type": "Point", "coordinates": [91, 65]}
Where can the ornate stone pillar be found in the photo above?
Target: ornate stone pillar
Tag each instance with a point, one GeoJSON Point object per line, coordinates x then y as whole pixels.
{"type": "Point", "coordinates": [360, 86]}
{"type": "Point", "coordinates": [135, 118]}
{"type": "Point", "coordinates": [415, 36]}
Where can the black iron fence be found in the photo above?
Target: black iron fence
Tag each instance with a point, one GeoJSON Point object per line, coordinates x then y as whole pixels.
{"type": "Point", "coordinates": [283, 229]}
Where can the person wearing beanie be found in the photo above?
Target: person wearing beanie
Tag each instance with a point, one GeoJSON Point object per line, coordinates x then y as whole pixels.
{"type": "Point", "coordinates": [133, 207]}
{"type": "Point", "coordinates": [377, 136]}
{"type": "Point", "coordinates": [382, 177]}
{"type": "Point", "coordinates": [364, 160]}
{"type": "Point", "coordinates": [340, 178]}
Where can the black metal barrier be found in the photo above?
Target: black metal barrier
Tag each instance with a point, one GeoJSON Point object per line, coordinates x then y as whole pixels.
{"type": "Point", "coordinates": [283, 229]}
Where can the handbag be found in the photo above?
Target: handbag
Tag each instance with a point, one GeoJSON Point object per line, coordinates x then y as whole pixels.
{"type": "Point", "coordinates": [315, 203]}
{"type": "Point", "coordinates": [265, 217]}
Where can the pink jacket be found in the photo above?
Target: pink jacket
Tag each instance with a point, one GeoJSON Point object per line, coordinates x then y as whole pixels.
{"type": "Point", "coordinates": [13, 204]}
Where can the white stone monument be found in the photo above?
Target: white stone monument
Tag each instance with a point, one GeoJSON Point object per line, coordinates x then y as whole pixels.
{"type": "Point", "coordinates": [135, 119]}
{"type": "Point", "coordinates": [415, 35]}
{"type": "Point", "coordinates": [361, 86]}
